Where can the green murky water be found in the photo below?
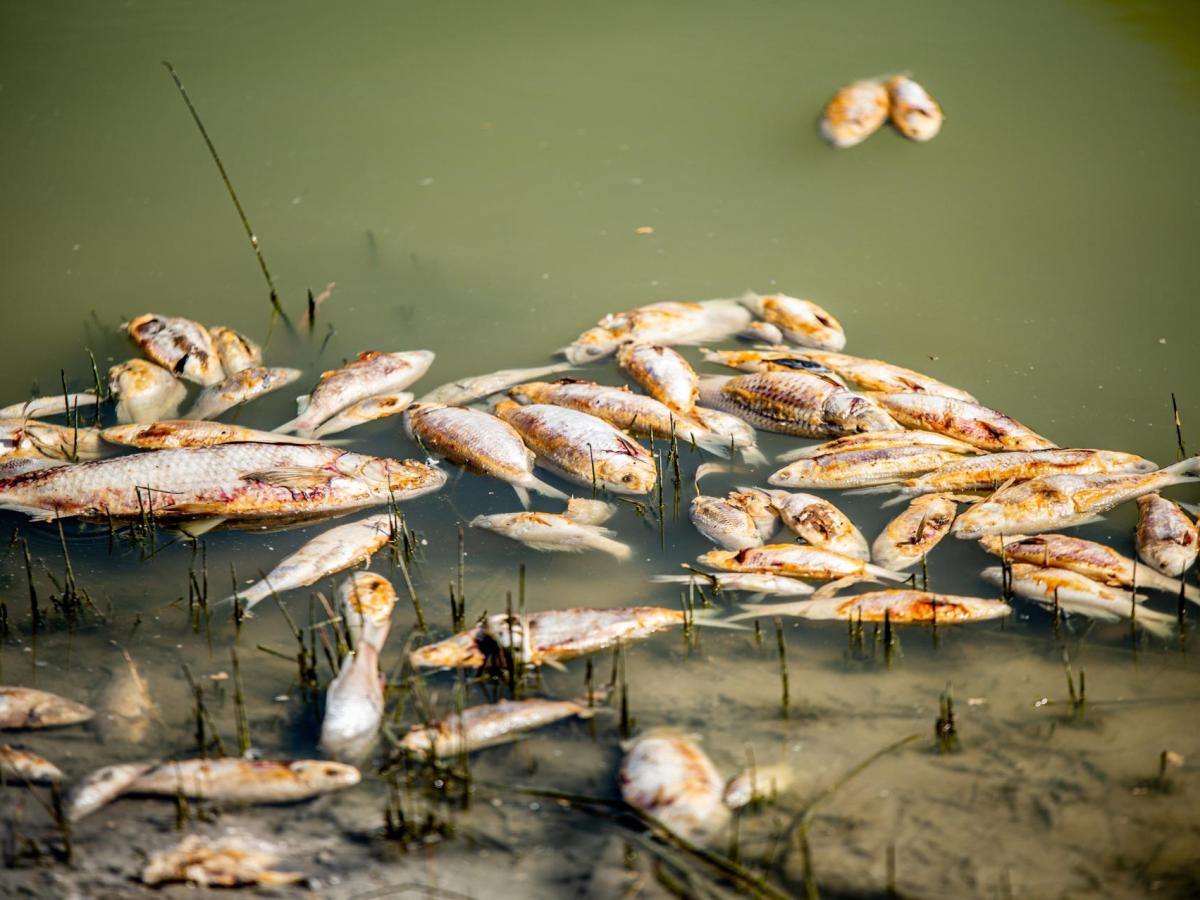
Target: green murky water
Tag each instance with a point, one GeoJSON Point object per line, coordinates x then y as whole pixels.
{"type": "Point", "coordinates": [471, 176]}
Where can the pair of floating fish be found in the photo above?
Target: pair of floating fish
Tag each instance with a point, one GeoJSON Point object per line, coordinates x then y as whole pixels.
{"type": "Point", "coordinates": [579, 527]}
{"type": "Point", "coordinates": [858, 110]}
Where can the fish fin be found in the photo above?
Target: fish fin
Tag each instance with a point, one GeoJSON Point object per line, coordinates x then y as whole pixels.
{"type": "Point", "coordinates": [1159, 627]}
{"type": "Point", "coordinates": [753, 456]}
{"type": "Point", "coordinates": [546, 490]}
{"type": "Point", "coordinates": [797, 608]}
{"type": "Point", "coordinates": [36, 513]}
{"type": "Point", "coordinates": [608, 545]}
{"type": "Point", "coordinates": [716, 444]}
{"type": "Point", "coordinates": [522, 495]}
{"type": "Point", "coordinates": [302, 403]}
{"type": "Point", "coordinates": [710, 468]}
{"type": "Point", "coordinates": [829, 590]}
{"type": "Point", "coordinates": [707, 618]}
{"type": "Point", "coordinates": [589, 512]}
{"type": "Point", "coordinates": [875, 573]}
{"type": "Point", "coordinates": [757, 598]}
{"type": "Point", "coordinates": [1193, 508]}
{"type": "Point", "coordinates": [197, 527]}
{"type": "Point", "coordinates": [294, 477]}
{"type": "Point", "coordinates": [871, 489]}
{"type": "Point", "coordinates": [893, 501]}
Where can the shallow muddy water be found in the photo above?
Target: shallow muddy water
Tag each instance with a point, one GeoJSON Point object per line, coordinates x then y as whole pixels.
{"type": "Point", "coordinates": [472, 177]}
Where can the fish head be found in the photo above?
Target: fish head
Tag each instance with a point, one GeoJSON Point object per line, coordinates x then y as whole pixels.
{"type": "Point", "coordinates": [529, 392]}
{"type": "Point", "coordinates": [367, 596]}
{"type": "Point", "coordinates": [325, 775]}
{"type": "Point", "coordinates": [138, 376]}
{"type": "Point", "coordinates": [792, 474]}
{"type": "Point", "coordinates": [859, 413]}
{"type": "Point", "coordinates": [982, 518]}
{"type": "Point", "coordinates": [627, 474]}
{"type": "Point", "coordinates": [461, 651]}
{"type": "Point", "coordinates": [399, 476]}
{"type": "Point", "coordinates": [595, 343]}
{"type": "Point", "coordinates": [711, 389]}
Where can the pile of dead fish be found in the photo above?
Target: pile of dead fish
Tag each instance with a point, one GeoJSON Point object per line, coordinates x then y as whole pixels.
{"type": "Point", "coordinates": [858, 110]}
{"type": "Point", "coordinates": [931, 447]}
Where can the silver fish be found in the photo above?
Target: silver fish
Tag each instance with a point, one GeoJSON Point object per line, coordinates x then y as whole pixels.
{"type": "Point", "coordinates": [353, 705]}
{"type": "Point", "coordinates": [145, 392]}
{"type": "Point", "coordinates": [881, 440]}
{"type": "Point", "coordinates": [796, 561]}
{"type": "Point", "coordinates": [910, 536]}
{"type": "Point", "coordinates": [21, 765]}
{"type": "Point", "coordinates": [668, 776]}
{"type": "Point", "coordinates": [915, 114]}
{"type": "Point", "coordinates": [794, 403]}
{"type": "Point", "coordinates": [240, 387]}
{"type": "Point", "coordinates": [801, 321]}
{"type": "Point", "coordinates": [988, 472]}
{"type": "Point", "coordinates": [877, 375]}
{"type": "Point", "coordinates": [662, 373]}
{"type": "Point", "coordinates": [898, 605]}
{"type": "Point", "coordinates": [371, 374]}
{"type": "Point", "coordinates": [1166, 537]}
{"type": "Point", "coordinates": [237, 352]}
{"type": "Point", "coordinates": [854, 113]}
{"type": "Point", "coordinates": [369, 410]}
{"type": "Point", "coordinates": [468, 390]}
{"type": "Point", "coordinates": [489, 725]}
{"type": "Point", "coordinates": [179, 345]}
{"type": "Point", "coordinates": [749, 582]}
{"type": "Point", "coordinates": [551, 531]}
{"type": "Point", "coordinates": [37, 407]}
{"type": "Point", "coordinates": [22, 707]}
{"type": "Point", "coordinates": [659, 323]}
{"type": "Point", "coordinates": [744, 518]}
{"type": "Point", "coordinates": [861, 468]}
{"type": "Point", "coordinates": [178, 433]}
{"type": "Point", "coordinates": [977, 425]}
{"type": "Point", "coordinates": [820, 523]}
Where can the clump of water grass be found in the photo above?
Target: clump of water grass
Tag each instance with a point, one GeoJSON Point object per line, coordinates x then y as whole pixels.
{"type": "Point", "coordinates": [946, 728]}
{"type": "Point", "coordinates": [784, 696]}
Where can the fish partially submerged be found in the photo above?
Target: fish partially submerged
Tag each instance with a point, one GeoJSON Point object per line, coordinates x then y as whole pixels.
{"type": "Point", "coordinates": [796, 561]}
{"type": "Point", "coordinates": [237, 481]}
{"type": "Point", "coordinates": [125, 710]}
{"type": "Point", "coordinates": [659, 323]}
{"type": "Point", "coordinates": [861, 468]}
{"type": "Point", "coordinates": [145, 392]}
{"type": "Point", "coordinates": [479, 442]}
{"type": "Point", "coordinates": [353, 705]}
{"type": "Point", "coordinates": [970, 422]}
{"type": "Point", "coordinates": [749, 582]}
{"type": "Point", "coordinates": [854, 113]}
{"type": "Point", "coordinates": [984, 473]}
{"type": "Point", "coordinates": [668, 776]}
{"type": "Point", "coordinates": [240, 387]}
{"type": "Point", "coordinates": [743, 518]}
{"type": "Point", "coordinates": [366, 601]}
{"type": "Point", "coordinates": [21, 765]}
{"type": "Point", "coordinates": [662, 373]}
{"type": "Point", "coordinates": [910, 536]}
{"type": "Point", "coordinates": [581, 447]}
{"type": "Point", "coordinates": [173, 434]}
{"type": "Point", "coordinates": [548, 636]}
{"type": "Point", "coordinates": [489, 725]}
{"type": "Point", "coordinates": [882, 440]}
{"type": "Point", "coordinates": [371, 374]}
{"type": "Point", "coordinates": [468, 390]}
{"type": "Point", "coordinates": [237, 352]}
{"type": "Point", "coordinates": [369, 410]}
{"type": "Point", "coordinates": [801, 321]}
{"type": "Point", "coordinates": [1051, 502]}
{"type": "Point", "coordinates": [179, 345]}
{"type": "Point", "coordinates": [330, 552]}
{"type": "Point", "coordinates": [576, 529]}
{"type": "Point", "coordinates": [1167, 539]}
{"type": "Point", "coordinates": [897, 605]}
{"type": "Point", "coordinates": [22, 707]}
{"type": "Point", "coordinates": [794, 403]}
{"type": "Point", "coordinates": [36, 407]}
{"type": "Point", "coordinates": [915, 114]}
{"type": "Point", "coordinates": [820, 523]}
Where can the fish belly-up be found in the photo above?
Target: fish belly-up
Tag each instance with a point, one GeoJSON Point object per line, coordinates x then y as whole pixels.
{"type": "Point", "coordinates": [179, 345]}
{"type": "Point", "coordinates": [820, 523]}
{"type": "Point", "coordinates": [489, 725]}
{"type": "Point", "coordinates": [796, 561]}
{"type": "Point", "coordinates": [174, 434]}
{"type": "Point", "coordinates": [882, 440]}
{"type": "Point", "coordinates": [897, 605]}
{"type": "Point", "coordinates": [353, 706]}
{"type": "Point", "coordinates": [145, 392]}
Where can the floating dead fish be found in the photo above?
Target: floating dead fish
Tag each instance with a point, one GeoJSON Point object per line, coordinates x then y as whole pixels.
{"type": "Point", "coordinates": [794, 403]}
{"type": "Point", "coordinates": [659, 323]}
{"type": "Point", "coordinates": [748, 582]}
{"type": "Point", "coordinates": [479, 442]}
{"type": "Point", "coordinates": [174, 434]}
{"type": "Point", "coordinates": [743, 518]}
{"type": "Point", "coordinates": [877, 375]}
{"type": "Point", "coordinates": [328, 553]}
{"type": "Point", "coordinates": [820, 523]}
{"type": "Point", "coordinates": [371, 374]}
{"type": "Point", "coordinates": [490, 725]}
{"type": "Point", "coordinates": [1098, 562]}
{"type": "Point", "coordinates": [662, 373]}
{"type": "Point", "coordinates": [22, 707]}
{"type": "Point", "coordinates": [237, 352]}
{"type": "Point", "coordinates": [125, 710]}
{"type": "Point", "coordinates": [236, 481]}
{"type": "Point", "coordinates": [1166, 537]}
{"type": "Point", "coordinates": [240, 387]}
{"type": "Point", "coordinates": [915, 114]}
{"type": "Point", "coordinates": [179, 345]}
{"type": "Point", "coordinates": [668, 776]}
{"type": "Point", "coordinates": [353, 705]}
{"type": "Point", "coordinates": [909, 537]}
{"type": "Point", "coordinates": [855, 113]}
{"type": "Point", "coordinates": [796, 561]}
{"type": "Point", "coordinates": [29, 437]}
{"type": "Point", "coordinates": [369, 410]}
{"type": "Point", "coordinates": [21, 765]}
{"type": "Point", "coordinates": [366, 601]}
{"type": "Point", "coordinates": [145, 392]}
{"type": "Point", "coordinates": [1051, 502]}
{"type": "Point", "coordinates": [861, 468]}
{"type": "Point", "coordinates": [468, 390]}
{"type": "Point", "coordinates": [882, 440]}
{"type": "Point", "coordinates": [548, 636]}
{"type": "Point", "coordinates": [801, 321]}
{"type": "Point", "coordinates": [581, 447]}
{"type": "Point", "coordinates": [575, 530]}
{"type": "Point", "coordinates": [37, 407]}
{"type": "Point", "coordinates": [1075, 593]}
{"type": "Point", "coordinates": [986, 473]}
{"type": "Point", "coordinates": [770, 361]}
{"type": "Point", "coordinates": [977, 425]}
{"type": "Point", "coordinates": [901, 607]}
{"type": "Point", "coordinates": [232, 861]}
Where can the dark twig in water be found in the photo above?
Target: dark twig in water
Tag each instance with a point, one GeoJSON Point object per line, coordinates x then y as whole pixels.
{"type": "Point", "coordinates": [1179, 447]}
{"type": "Point", "coordinates": [784, 699]}
{"type": "Point", "coordinates": [944, 729]}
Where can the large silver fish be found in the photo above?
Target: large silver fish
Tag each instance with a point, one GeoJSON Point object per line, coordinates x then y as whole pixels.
{"type": "Point", "coordinates": [898, 605]}
{"type": "Point", "coordinates": [240, 387]}
{"type": "Point", "coordinates": [1166, 538]}
{"type": "Point", "coordinates": [659, 323]}
{"type": "Point", "coordinates": [489, 725]}
{"type": "Point", "coordinates": [988, 472]}
{"type": "Point", "coordinates": [861, 468]}
{"type": "Point", "coordinates": [145, 392]}
{"type": "Point", "coordinates": [179, 345]}
{"type": "Point", "coordinates": [468, 390]}
{"type": "Point", "coordinates": [977, 425]}
{"type": "Point", "coordinates": [794, 403]}
{"type": "Point", "coordinates": [576, 529]}
{"type": "Point", "coordinates": [796, 561]}
{"type": "Point", "coordinates": [881, 440]}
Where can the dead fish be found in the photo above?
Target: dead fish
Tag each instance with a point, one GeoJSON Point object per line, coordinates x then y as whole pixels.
{"type": "Point", "coordinates": [909, 537]}
{"type": "Point", "coordinates": [231, 861]}
{"type": "Point", "coordinates": [1098, 562]}
{"type": "Point", "coordinates": [548, 636]}
{"type": "Point", "coordinates": [371, 374]}
{"type": "Point", "coordinates": [125, 710]}
{"type": "Point", "coordinates": [820, 523]}
{"type": "Point", "coordinates": [734, 432]}
{"type": "Point", "coordinates": [861, 468]}
{"type": "Point", "coordinates": [761, 332]}
{"type": "Point", "coordinates": [238, 481]}
{"type": "Point", "coordinates": [353, 705]}
{"type": "Point", "coordinates": [566, 532]}
{"type": "Point", "coordinates": [915, 114]}
{"type": "Point", "coordinates": [1075, 593]}
{"type": "Point", "coordinates": [770, 361]}
{"type": "Point", "coordinates": [37, 407]}
{"type": "Point", "coordinates": [179, 345]}
{"type": "Point", "coordinates": [988, 472]}
{"type": "Point", "coordinates": [879, 440]}
{"type": "Point", "coordinates": [794, 403]}
{"type": "Point", "coordinates": [659, 323]}
{"type": "Point", "coordinates": [236, 351]}
{"type": "Point", "coordinates": [801, 321]}
{"type": "Point", "coordinates": [145, 392]}
{"type": "Point", "coordinates": [620, 407]}
{"type": "Point", "coordinates": [1051, 502]}
{"type": "Point", "coordinates": [1166, 537]}
{"type": "Point", "coordinates": [21, 765]}
{"type": "Point", "coordinates": [22, 707]}
{"type": "Point", "coordinates": [877, 375]}
{"type": "Point", "coordinates": [366, 601]}
{"type": "Point", "coordinates": [748, 582]}
{"type": "Point", "coordinates": [855, 113]}
{"type": "Point", "coordinates": [899, 606]}
{"type": "Point", "coordinates": [662, 373]}
{"type": "Point", "coordinates": [489, 725]}
{"type": "Point", "coordinates": [99, 788]}
{"type": "Point", "coordinates": [581, 447]}
{"type": "Point", "coordinates": [977, 425]}
{"type": "Point", "coordinates": [174, 434]}
{"type": "Point", "coordinates": [796, 561]}
{"type": "Point", "coordinates": [326, 554]}
{"type": "Point", "coordinates": [30, 437]}
{"type": "Point", "coordinates": [743, 518]}
{"type": "Point", "coordinates": [240, 387]}
{"type": "Point", "coordinates": [369, 410]}
{"type": "Point", "coordinates": [479, 442]}
{"type": "Point", "coordinates": [667, 776]}
{"type": "Point", "coordinates": [468, 390]}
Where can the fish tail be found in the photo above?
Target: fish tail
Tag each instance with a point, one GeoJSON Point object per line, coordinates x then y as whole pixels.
{"type": "Point", "coordinates": [1158, 624]}
{"type": "Point", "coordinates": [829, 590]}
{"type": "Point", "coordinates": [707, 618]}
{"type": "Point", "coordinates": [880, 572]}
{"type": "Point", "coordinates": [1185, 471]}
{"type": "Point", "coordinates": [599, 542]}
{"type": "Point", "coordinates": [797, 608]}
{"type": "Point", "coordinates": [716, 444]}
{"type": "Point", "coordinates": [544, 489]}
{"type": "Point", "coordinates": [522, 495]}
{"type": "Point", "coordinates": [671, 579]}
{"type": "Point", "coordinates": [753, 456]}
